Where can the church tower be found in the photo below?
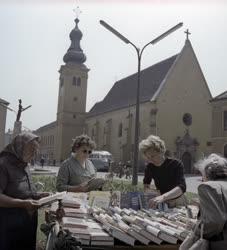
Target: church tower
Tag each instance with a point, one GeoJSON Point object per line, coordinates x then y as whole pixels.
{"type": "Point", "coordinates": [72, 96]}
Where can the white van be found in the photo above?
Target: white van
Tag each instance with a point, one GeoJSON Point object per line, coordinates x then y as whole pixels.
{"type": "Point", "coordinates": [103, 155]}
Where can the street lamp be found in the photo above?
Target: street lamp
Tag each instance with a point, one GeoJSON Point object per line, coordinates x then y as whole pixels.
{"type": "Point", "coordinates": [139, 55]}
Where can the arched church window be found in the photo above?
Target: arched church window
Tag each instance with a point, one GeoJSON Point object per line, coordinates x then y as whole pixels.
{"type": "Point", "coordinates": [74, 80]}
{"type": "Point", "coordinates": [225, 151]}
{"type": "Point", "coordinates": [78, 81]}
{"type": "Point", "coordinates": [74, 116]}
{"type": "Point", "coordinates": [120, 128]}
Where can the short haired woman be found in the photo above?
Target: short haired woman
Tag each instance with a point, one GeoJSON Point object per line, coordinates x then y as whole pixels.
{"type": "Point", "coordinates": [18, 205]}
{"type": "Point", "coordinates": [166, 172]}
{"type": "Point", "coordinates": [77, 170]}
{"type": "Point", "coordinates": [213, 200]}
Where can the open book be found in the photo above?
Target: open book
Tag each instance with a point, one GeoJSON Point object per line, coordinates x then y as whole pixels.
{"type": "Point", "coordinates": [95, 184]}
{"type": "Point", "coordinates": [51, 198]}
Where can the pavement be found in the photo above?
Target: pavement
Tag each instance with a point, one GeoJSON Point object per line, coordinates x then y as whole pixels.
{"type": "Point", "coordinates": [192, 182]}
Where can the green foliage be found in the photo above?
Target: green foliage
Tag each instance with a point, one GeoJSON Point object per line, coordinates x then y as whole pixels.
{"type": "Point", "coordinates": [121, 185]}
{"type": "Point", "coordinates": [191, 197]}
{"type": "Point", "coordinates": [48, 181]}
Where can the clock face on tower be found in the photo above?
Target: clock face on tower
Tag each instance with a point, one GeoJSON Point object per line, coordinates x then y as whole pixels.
{"type": "Point", "coordinates": [187, 119]}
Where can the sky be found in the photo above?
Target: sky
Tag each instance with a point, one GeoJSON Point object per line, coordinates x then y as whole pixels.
{"type": "Point", "coordinates": [35, 37]}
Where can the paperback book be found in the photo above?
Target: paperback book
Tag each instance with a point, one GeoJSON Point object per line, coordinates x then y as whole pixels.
{"type": "Point", "coordinates": [51, 198]}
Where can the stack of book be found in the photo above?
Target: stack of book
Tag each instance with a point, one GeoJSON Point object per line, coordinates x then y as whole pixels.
{"type": "Point", "coordinates": [75, 212]}
{"type": "Point", "coordinates": [101, 223]}
{"type": "Point", "coordinates": [77, 220]}
{"type": "Point", "coordinates": [74, 200]}
{"type": "Point", "coordinates": [144, 226]}
{"type": "Point", "coordinates": [87, 231]}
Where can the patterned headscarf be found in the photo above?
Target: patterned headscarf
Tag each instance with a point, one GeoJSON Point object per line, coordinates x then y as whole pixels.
{"type": "Point", "coordinates": [17, 145]}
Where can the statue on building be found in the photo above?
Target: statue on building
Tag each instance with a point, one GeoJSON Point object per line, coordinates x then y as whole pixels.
{"type": "Point", "coordinates": [20, 110]}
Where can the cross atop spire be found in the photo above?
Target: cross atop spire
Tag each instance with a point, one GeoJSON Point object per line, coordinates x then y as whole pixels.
{"type": "Point", "coordinates": [187, 34]}
{"type": "Point", "coordinates": [77, 11]}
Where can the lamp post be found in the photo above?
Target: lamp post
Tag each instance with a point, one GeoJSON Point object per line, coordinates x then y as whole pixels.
{"type": "Point", "coordinates": [139, 56]}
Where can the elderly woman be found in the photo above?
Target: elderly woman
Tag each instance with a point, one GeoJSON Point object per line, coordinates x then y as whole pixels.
{"type": "Point", "coordinates": [166, 172]}
{"type": "Point", "coordinates": [77, 170]}
{"type": "Point", "coordinates": [213, 200]}
{"type": "Point", "coordinates": [18, 205]}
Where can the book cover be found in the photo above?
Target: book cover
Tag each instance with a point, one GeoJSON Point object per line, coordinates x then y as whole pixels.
{"type": "Point", "coordinates": [115, 199]}
{"type": "Point", "coordinates": [102, 202]}
{"type": "Point", "coordinates": [71, 202]}
{"type": "Point", "coordinates": [102, 243]}
{"type": "Point", "coordinates": [74, 222]}
{"type": "Point", "coordinates": [99, 234]}
{"type": "Point", "coordinates": [130, 200]}
{"type": "Point", "coordinates": [75, 212]}
{"type": "Point", "coordinates": [93, 194]}
{"type": "Point", "coordinates": [122, 236]}
{"type": "Point", "coordinates": [144, 199]}
{"type": "Point", "coordinates": [95, 184]}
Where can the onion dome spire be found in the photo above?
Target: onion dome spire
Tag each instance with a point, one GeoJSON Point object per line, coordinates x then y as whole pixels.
{"type": "Point", "coordinates": [75, 53]}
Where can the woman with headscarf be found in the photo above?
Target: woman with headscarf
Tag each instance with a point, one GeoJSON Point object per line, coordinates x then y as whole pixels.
{"type": "Point", "coordinates": [18, 205]}
{"type": "Point", "coordinates": [213, 201]}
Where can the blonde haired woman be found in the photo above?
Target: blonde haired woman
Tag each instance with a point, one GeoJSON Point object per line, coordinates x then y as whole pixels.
{"type": "Point", "coordinates": [166, 172]}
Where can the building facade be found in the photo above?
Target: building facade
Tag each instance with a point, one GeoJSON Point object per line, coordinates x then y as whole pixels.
{"type": "Point", "coordinates": [219, 122]}
{"type": "Point", "coordinates": [3, 112]}
{"type": "Point", "coordinates": [175, 105]}
{"type": "Point", "coordinates": [174, 94]}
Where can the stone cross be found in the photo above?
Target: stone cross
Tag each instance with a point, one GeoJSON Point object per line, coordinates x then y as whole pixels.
{"type": "Point", "coordinates": [187, 34]}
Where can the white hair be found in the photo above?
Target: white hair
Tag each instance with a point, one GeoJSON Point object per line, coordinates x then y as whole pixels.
{"type": "Point", "coordinates": [213, 167]}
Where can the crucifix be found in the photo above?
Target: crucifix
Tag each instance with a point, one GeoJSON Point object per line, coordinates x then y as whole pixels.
{"type": "Point", "coordinates": [20, 110]}
{"type": "Point", "coordinates": [187, 34]}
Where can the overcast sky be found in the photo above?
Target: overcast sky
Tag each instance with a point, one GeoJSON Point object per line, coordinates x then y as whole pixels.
{"type": "Point", "coordinates": [35, 37]}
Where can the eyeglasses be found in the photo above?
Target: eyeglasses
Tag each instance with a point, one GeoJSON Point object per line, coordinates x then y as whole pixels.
{"type": "Point", "coordinates": [85, 151]}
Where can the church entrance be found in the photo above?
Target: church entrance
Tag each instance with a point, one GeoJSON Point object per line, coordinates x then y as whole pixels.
{"type": "Point", "coordinates": [187, 161]}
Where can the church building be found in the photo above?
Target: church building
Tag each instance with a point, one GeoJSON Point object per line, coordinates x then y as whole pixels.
{"type": "Point", "coordinates": [174, 104]}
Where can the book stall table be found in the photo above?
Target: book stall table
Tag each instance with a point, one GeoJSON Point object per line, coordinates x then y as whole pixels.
{"type": "Point", "coordinates": [150, 247]}
{"type": "Point", "coordinates": [98, 223]}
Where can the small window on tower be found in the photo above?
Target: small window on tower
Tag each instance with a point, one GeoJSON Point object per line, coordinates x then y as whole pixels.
{"type": "Point", "coordinates": [61, 82]}
{"type": "Point", "coordinates": [74, 80]}
{"type": "Point", "coordinates": [74, 116]}
{"type": "Point", "coordinates": [120, 128]}
{"type": "Point", "coordinates": [75, 99]}
{"type": "Point", "coordinates": [78, 81]}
